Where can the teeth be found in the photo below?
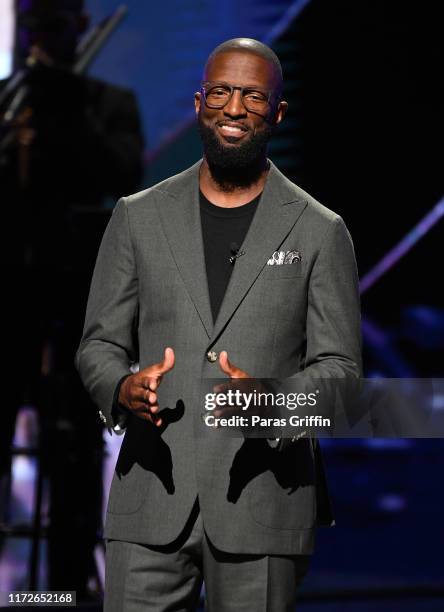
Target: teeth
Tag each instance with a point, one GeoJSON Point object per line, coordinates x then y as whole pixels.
{"type": "Point", "coordinates": [230, 128]}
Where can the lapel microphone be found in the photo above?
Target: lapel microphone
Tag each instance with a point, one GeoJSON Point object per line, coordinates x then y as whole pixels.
{"type": "Point", "coordinates": [235, 253]}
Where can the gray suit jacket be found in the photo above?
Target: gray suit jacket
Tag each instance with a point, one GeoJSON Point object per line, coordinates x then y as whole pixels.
{"type": "Point", "coordinates": [149, 291]}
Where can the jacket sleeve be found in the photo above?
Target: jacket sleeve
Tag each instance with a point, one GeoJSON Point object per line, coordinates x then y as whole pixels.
{"type": "Point", "coordinates": [108, 348]}
{"type": "Point", "coordinates": [333, 327]}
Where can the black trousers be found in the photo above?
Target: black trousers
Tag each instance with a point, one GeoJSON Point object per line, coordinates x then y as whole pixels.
{"type": "Point", "coordinates": [160, 578]}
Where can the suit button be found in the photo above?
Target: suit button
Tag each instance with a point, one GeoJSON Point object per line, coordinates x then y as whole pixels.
{"type": "Point", "coordinates": [212, 356]}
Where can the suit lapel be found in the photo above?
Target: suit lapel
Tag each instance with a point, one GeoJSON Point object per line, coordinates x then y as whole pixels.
{"type": "Point", "coordinates": [180, 215]}
{"type": "Point", "coordinates": [278, 210]}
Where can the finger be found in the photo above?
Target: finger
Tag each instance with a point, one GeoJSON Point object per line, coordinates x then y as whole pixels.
{"type": "Point", "coordinates": [156, 370]}
{"type": "Point", "coordinates": [167, 363]}
{"type": "Point", "coordinates": [150, 382]}
{"type": "Point", "coordinates": [225, 365]}
{"type": "Point", "coordinates": [145, 395]}
{"type": "Point", "coordinates": [150, 401]}
{"type": "Point", "coordinates": [154, 383]}
{"type": "Point", "coordinates": [157, 421]}
{"type": "Point", "coordinates": [140, 407]}
{"type": "Point", "coordinates": [152, 398]}
{"type": "Point", "coordinates": [152, 417]}
{"type": "Point", "coordinates": [147, 413]}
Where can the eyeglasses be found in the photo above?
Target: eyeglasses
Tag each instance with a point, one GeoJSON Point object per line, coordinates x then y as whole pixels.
{"type": "Point", "coordinates": [217, 95]}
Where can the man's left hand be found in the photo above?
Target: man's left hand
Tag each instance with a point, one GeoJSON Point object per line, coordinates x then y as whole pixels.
{"type": "Point", "coordinates": [229, 368]}
{"type": "Point", "coordinates": [239, 381]}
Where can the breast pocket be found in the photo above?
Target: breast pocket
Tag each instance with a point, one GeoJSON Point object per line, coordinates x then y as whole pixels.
{"type": "Point", "coordinates": [275, 272]}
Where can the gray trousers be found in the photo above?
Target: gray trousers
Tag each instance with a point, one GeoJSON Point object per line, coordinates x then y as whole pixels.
{"type": "Point", "coordinates": [166, 578]}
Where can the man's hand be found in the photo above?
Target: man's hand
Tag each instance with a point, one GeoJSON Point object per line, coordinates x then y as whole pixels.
{"type": "Point", "coordinates": [230, 369]}
{"type": "Point", "coordinates": [138, 391]}
{"type": "Point", "coordinates": [241, 382]}
{"type": "Point", "coordinates": [234, 373]}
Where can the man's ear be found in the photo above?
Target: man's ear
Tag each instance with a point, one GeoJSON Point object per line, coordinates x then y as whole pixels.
{"type": "Point", "coordinates": [197, 101]}
{"type": "Point", "coordinates": [280, 111]}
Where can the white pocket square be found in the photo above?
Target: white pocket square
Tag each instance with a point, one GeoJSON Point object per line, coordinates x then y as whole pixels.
{"type": "Point", "coordinates": [281, 258]}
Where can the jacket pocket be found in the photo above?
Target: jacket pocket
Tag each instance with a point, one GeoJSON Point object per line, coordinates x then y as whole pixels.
{"type": "Point", "coordinates": [127, 492]}
{"type": "Point", "coordinates": [284, 496]}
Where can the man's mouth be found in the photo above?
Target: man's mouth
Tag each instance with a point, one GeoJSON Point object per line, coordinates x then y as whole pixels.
{"type": "Point", "coordinates": [232, 130]}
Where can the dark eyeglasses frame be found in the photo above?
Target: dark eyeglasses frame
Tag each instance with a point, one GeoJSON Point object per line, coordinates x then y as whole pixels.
{"type": "Point", "coordinates": [232, 88]}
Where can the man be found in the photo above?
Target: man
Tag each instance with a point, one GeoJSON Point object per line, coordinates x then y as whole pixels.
{"type": "Point", "coordinates": [182, 282]}
{"type": "Point", "coordinates": [75, 141]}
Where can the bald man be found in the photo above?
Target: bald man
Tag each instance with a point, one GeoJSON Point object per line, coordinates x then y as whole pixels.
{"type": "Point", "coordinates": [190, 283]}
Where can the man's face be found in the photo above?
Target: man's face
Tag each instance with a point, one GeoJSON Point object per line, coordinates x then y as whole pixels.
{"type": "Point", "coordinates": [233, 135]}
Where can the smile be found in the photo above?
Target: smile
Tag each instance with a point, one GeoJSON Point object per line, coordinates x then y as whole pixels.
{"type": "Point", "coordinates": [231, 130]}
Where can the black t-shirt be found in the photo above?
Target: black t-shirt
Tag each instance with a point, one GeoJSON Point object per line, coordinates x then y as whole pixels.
{"type": "Point", "coordinates": [223, 231]}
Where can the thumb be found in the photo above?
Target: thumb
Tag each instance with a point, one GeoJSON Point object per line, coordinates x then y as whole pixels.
{"type": "Point", "coordinates": [225, 365]}
{"type": "Point", "coordinates": [167, 363]}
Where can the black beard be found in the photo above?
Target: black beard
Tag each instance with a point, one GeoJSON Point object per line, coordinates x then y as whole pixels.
{"type": "Point", "coordinates": [234, 167]}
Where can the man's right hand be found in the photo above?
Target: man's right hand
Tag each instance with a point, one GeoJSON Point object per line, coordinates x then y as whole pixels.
{"type": "Point", "coordinates": [138, 391]}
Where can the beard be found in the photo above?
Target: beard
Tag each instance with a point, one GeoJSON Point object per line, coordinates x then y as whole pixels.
{"type": "Point", "coordinates": [235, 166]}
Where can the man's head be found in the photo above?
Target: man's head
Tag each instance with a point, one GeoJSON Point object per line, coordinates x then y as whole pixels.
{"type": "Point", "coordinates": [238, 107]}
{"type": "Point", "coordinates": [51, 26]}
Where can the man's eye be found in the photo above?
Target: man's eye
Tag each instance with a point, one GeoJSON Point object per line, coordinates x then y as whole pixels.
{"type": "Point", "coordinates": [255, 96]}
{"type": "Point", "coordinates": [218, 92]}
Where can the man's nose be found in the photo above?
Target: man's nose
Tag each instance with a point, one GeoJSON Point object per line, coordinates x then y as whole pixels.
{"type": "Point", "coordinates": [235, 106]}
